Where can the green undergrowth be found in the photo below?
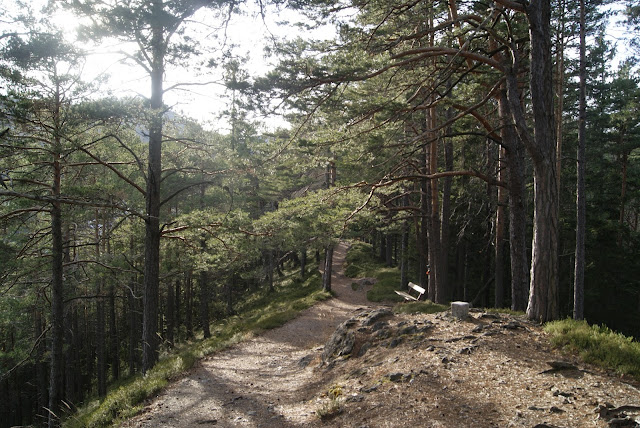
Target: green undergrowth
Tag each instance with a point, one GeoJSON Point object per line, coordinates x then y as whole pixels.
{"type": "Point", "coordinates": [384, 288]}
{"type": "Point", "coordinates": [504, 311]}
{"type": "Point", "coordinates": [262, 310]}
{"type": "Point", "coordinates": [426, 307]}
{"type": "Point", "coordinates": [597, 345]}
{"type": "Point", "coordinates": [361, 262]}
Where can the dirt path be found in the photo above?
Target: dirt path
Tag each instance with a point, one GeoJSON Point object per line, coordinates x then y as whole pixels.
{"type": "Point", "coordinates": [263, 382]}
{"type": "Point", "coordinates": [418, 370]}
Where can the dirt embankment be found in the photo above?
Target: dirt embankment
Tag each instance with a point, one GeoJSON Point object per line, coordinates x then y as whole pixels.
{"type": "Point", "coordinates": [386, 370]}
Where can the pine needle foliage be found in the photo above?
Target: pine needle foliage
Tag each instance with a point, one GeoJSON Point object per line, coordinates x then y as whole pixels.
{"type": "Point", "coordinates": [597, 345]}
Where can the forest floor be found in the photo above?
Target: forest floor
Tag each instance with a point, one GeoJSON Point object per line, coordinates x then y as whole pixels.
{"type": "Point", "coordinates": [491, 370]}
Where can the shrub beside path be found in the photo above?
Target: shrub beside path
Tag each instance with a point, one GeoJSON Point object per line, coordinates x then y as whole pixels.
{"type": "Point", "coordinates": [265, 381]}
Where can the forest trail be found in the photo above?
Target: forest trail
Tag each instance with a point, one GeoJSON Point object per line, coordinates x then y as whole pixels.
{"type": "Point", "coordinates": [402, 370]}
{"type": "Point", "coordinates": [265, 381]}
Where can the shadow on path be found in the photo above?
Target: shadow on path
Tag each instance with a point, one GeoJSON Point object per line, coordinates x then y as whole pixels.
{"type": "Point", "coordinates": [265, 381]}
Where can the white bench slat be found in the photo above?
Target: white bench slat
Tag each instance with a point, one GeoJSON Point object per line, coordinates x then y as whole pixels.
{"type": "Point", "coordinates": [408, 296]}
{"type": "Point", "coordinates": [417, 288]}
{"type": "Point", "coordinates": [405, 295]}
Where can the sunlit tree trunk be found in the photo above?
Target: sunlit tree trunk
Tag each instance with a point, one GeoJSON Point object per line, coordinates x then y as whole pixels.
{"type": "Point", "coordinates": [150, 340]}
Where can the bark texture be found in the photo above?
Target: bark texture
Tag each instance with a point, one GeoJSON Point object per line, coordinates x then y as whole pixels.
{"type": "Point", "coordinates": [150, 340]}
{"type": "Point", "coordinates": [543, 291]}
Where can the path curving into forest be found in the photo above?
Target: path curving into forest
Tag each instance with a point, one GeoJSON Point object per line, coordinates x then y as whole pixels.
{"type": "Point", "coordinates": [266, 381]}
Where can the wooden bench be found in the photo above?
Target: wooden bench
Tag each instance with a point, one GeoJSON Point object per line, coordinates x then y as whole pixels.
{"type": "Point", "coordinates": [408, 296]}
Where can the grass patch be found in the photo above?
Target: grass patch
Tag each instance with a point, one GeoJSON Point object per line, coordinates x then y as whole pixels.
{"type": "Point", "coordinates": [504, 311]}
{"type": "Point", "coordinates": [334, 406]}
{"type": "Point", "coordinates": [384, 288]}
{"type": "Point", "coordinates": [597, 345]}
{"type": "Point", "coordinates": [262, 310]}
{"type": "Point", "coordinates": [426, 307]}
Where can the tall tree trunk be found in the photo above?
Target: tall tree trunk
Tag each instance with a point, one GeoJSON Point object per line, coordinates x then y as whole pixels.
{"type": "Point", "coordinates": [70, 371]}
{"type": "Point", "coordinates": [543, 288]}
{"type": "Point", "coordinates": [88, 351]}
{"type": "Point", "coordinates": [57, 296]}
{"type": "Point", "coordinates": [559, 89]}
{"type": "Point", "coordinates": [188, 284]}
{"type": "Point", "coordinates": [269, 268]}
{"type": "Point", "coordinates": [205, 290]}
{"type": "Point", "coordinates": [278, 263]}
{"type": "Point", "coordinates": [228, 288]}
{"type": "Point", "coordinates": [133, 319]}
{"type": "Point", "coordinates": [404, 248]}
{"type": "Point", "coordinates": [443, 276]}
{"type": "Point", "coordinates": [171, 293]}
{"type": "Point", "coordinates": [624, 163]}
{"type": "Point", "coordinates": [114, 342]}
{"type": "Point", "coordinates": [101, 363]}
{"type": "Point", "coordinates": [543, 292]}
{"type": "Point", "coordinates": [581, 206]}
{"type": "Point", "coordinates": [204, 304]}
{"type": "Point", "coordinates": [133, 329]}
{"type": "Point", "coordinates": [178, 312]}
{"type": "Point", "coordinates": [70, 349]}
{"type": "Point", "coordinates": [437, 293]}
{"type": "Point", "coordinates": [501, 220]}
{"type": "Point", "coordinates": [41, 367]}
{"type": "Point", "coordinates": [5, 402]}
{"type": "Point", "coordinates": [150, 341]}
{"type": "Point", "coordinates": [511, 169]}
{"type": "Point", "coordinates": [514, 152]}
{"type": "Point", "coordinates": [389, 240]}
{"type": "Point", "coordinates": [79, 389]}
{"type": "Point", "coordinates": [328, 268]}
{"type": "Point", "coordinates": [422, 225]}
{"type": "Point", "coordinates": [303, 263]}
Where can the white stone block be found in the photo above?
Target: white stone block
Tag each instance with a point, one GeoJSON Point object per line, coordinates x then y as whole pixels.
{"type": "Point", "coordinates": [460, 310]}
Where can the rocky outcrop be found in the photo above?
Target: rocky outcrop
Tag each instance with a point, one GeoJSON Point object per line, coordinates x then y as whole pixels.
{"type": "Point", "coordinates": [369, 329]}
